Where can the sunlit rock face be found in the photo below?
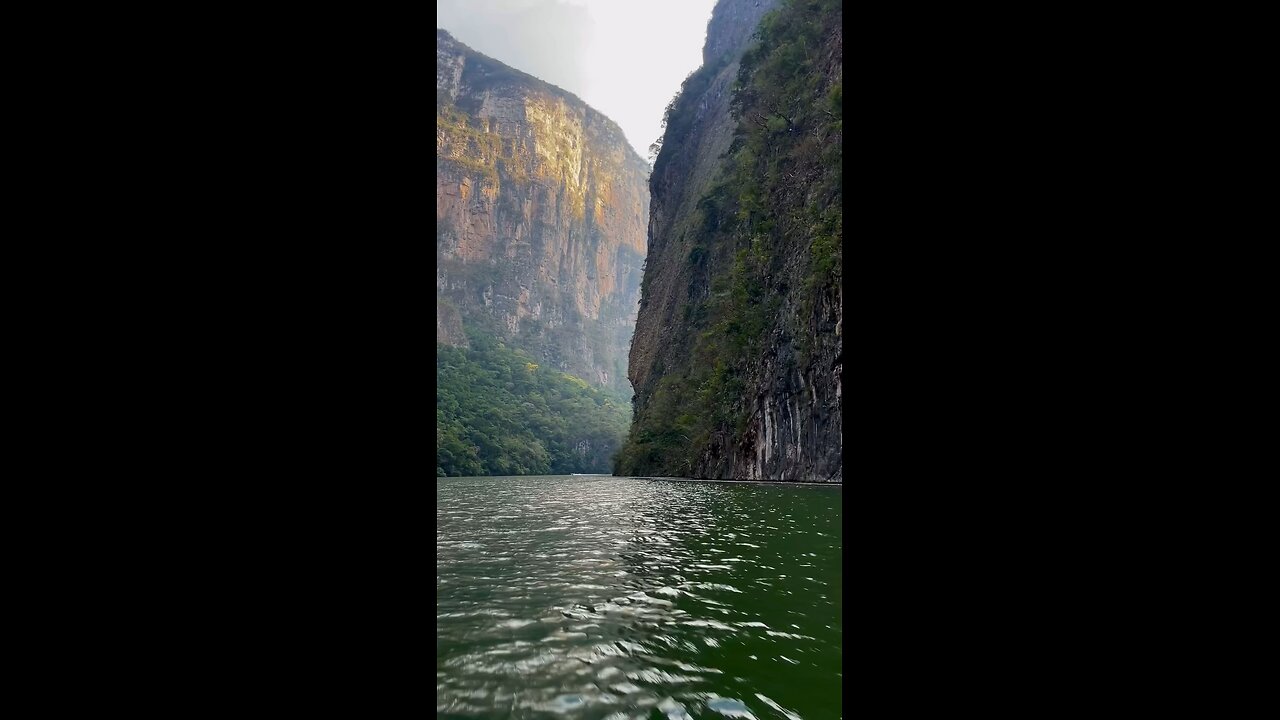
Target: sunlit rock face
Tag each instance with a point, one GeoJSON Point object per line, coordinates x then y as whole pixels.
{"type": "Point", "coordinates": [541, 216]}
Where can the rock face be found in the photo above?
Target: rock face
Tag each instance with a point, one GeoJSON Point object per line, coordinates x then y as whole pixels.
{"type": "Point", "coordinates": [737, 355]}
{"type": "Point", "coordinates": [541, 210]}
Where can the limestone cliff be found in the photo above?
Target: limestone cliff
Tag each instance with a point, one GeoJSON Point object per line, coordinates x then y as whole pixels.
{"type": "Point", "coordinates": [737, 356]}
{"type": "Point", "coordinates": [541, 210]}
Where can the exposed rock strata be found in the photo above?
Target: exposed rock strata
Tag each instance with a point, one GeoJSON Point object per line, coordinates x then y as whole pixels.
{"type": "Point", "coordinates": [541, 211]}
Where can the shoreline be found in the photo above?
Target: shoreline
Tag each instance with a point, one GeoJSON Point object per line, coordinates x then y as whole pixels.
{"type": "Point", "coordinates": [646, 477]}
{"type": "Point", "coordinates": [722, 480]}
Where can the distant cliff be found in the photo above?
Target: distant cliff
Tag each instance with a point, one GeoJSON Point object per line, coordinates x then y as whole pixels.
{"type": "Point", "coordinates": [737, 356]}
{"type": "Point", "coordinates": [541, 209]}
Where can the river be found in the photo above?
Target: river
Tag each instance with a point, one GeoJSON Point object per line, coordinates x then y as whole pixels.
{"type": "Point", "coordinates": [609, 597]}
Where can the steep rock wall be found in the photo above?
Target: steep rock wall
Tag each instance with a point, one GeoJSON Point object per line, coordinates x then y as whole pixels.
{"type": "Point", "coordinates": [737, 356]}
{"type": "Point", "coordinates": [541, 212]}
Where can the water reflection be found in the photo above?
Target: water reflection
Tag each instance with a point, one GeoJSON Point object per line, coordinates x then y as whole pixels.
{"type": "Point", "coordinates": [614, 598]}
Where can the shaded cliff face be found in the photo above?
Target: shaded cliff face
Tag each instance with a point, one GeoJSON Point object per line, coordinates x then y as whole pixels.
{"type": "Point", "coordinates": [737, 355]}
{"type": "Point", "coordinates": [541, 212]}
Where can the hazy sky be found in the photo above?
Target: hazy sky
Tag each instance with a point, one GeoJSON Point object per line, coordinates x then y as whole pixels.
{"type": "Point", "coordinates": [623, 57]}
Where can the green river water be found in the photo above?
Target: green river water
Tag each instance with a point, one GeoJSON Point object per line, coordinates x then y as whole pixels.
{"type": "Point", "coordinates": [605, 597]}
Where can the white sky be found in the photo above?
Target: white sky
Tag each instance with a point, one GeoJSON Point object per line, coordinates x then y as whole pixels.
{"type": "Point", "coordinates": [625, 58]}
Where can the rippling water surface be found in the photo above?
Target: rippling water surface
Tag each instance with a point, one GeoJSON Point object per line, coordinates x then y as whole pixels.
{"type": "Point", "coordinates": [603, 597]}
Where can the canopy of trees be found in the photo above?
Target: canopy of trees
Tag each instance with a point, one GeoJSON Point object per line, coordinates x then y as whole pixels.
{"type": "Point", "coordinates": [501, 412]}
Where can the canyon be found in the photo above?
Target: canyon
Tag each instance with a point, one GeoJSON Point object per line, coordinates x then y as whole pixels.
{"type": "Point", "coordinates": [737, 358]}
{"type": "Point", "coordinates": [541, 216]}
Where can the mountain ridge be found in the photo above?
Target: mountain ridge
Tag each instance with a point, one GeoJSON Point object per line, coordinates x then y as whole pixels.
{"type": "Point", "coordinates": [535, 81]}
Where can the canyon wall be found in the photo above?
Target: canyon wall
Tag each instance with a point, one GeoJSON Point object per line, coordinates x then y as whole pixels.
{"type": "Point", "coordinates": [541, 215]}
{"type": "Point", "coordinates": [738, 348]}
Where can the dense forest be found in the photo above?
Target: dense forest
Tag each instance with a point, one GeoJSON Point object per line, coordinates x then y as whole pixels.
{"type": "Point", "coordinates": [498, 412]}
{"type": "Point", "coordinates": [760, 248]}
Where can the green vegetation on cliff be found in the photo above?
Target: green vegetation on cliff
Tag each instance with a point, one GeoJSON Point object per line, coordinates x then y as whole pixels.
{"type": "Point", "coordinates": [766, 239]}
{"type": "Point", "coordinates": [498, 412]}
{"type": "Point", "coordinates": [482, 150]}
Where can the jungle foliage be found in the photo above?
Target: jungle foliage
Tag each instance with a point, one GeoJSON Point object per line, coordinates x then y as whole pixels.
{"type": "Point", "coordinates": [500, 412]}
